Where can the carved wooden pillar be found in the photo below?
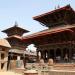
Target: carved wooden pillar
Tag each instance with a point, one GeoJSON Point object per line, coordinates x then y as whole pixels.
{"type": "Point", "coordinates": [37, 56]}
{"type": "Point", "coordinates": [70, 54]}
{"type": "Point", "coordinates": [54, 54]}
{"type": "Point", "coordinates": [62, 54]}
{"type": "Point", "coordinates": [44, 55]}
{"type": "Point", "coordinates": [48, 54]}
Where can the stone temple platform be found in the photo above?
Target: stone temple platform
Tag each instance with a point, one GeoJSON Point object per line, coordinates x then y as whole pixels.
{"type": "Point", "coordinates": [55, 69]}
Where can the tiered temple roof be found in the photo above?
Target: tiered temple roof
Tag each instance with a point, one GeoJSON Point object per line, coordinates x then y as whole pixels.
{"type": "Point", "coordinates": [61, 16]}
{"type": "Point", "coordinates": [15, 30]}
{"type": "Point", "coordinates": [50, 31]}
{"type": "Point", "coordinates": [15, 36]}
{"type": "Point", "coordinates": [58, 21]}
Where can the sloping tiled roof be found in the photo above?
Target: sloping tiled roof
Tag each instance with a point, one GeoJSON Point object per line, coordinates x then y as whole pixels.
{"type": "Point", "coordinates": [49, 31]}
{"type": "Point", "coordinates": [64, 15]}
{"type": "Point", "coordinates": [51, 12]}
{"type": "Point", "coordinates": [15, 36]}
{"type": "Point", "coordinates": [15, 27]}
{"type": "Point", "coordinates": [4, 43]}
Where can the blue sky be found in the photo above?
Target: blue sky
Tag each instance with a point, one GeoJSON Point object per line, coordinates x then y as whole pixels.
{"type": "Point", "coordinates": [22, 11]}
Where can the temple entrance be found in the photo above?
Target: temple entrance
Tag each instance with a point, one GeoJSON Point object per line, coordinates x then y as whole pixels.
{"type": "Point", "coordinates": [51, 54]}
{"type": "Point", "coordinates": [58, 52]}
{"type": "Point", "coordinates": [66, 55]}
{"type": "Point", "coordinates": [58, 55]}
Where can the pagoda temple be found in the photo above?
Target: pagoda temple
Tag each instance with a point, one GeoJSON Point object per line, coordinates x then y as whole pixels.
{"type": "Point", "coordinates": [58, 41]}
{"type": "Point", "coordinates": [17, 45]}
{"type": "Point", "coordinates": [4, 49]}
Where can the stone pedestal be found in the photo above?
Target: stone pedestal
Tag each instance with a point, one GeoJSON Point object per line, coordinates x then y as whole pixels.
{"type": "Point", "coordinates": [50, 64]}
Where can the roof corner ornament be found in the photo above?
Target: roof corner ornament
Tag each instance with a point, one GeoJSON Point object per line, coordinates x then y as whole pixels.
{"type": "Point", "coordinates": [58, 6]}
{"type": "Point", "coordinates": [55, 7]}
{"type": "Point", "coordinates": [68, 5]}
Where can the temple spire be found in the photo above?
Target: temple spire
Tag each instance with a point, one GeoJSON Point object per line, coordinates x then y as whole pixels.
{"type": "Point", "coordinates": [16, 24]}
{"type": "Point", "coordinates": [55, 7]}
{"type": "Point", "coordinates": [15, 30]}
{"type": "Point", "coordinates": [58, 7]}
